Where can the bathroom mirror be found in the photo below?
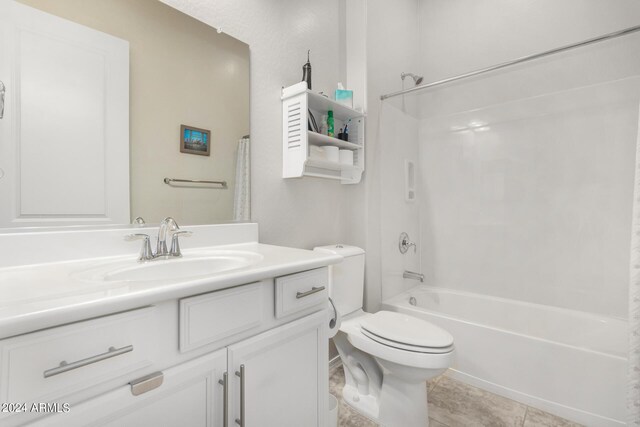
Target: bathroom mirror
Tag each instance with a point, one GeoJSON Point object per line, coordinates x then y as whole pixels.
{"type": "Point", "coordinates": [188, 119]}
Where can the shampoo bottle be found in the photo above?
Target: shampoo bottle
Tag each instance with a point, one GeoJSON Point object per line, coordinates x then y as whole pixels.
{"type": "Point", "coordinates": [330, 130]}
{"type": "Point", "coordinates": [324, 127]}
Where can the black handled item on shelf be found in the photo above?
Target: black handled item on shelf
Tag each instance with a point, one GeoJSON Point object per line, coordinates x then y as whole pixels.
{"type": "Point", "coordinates": [306, 72]}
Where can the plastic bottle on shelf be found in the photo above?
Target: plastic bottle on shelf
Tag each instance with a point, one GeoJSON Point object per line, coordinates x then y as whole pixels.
{"type": "Point", "coordinates": [330, 130]}
{"type": "Point", "coordinates": [324, 128]}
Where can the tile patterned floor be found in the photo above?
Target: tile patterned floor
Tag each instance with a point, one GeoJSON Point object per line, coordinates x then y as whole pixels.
{"type": "Point", "coordinates": [456, 404]}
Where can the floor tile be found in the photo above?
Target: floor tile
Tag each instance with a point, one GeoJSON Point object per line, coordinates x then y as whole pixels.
{"type": "Point", "coordinates": [336, 382]}
{"type": "Point", "coordinates": [348, 417]}
{"type": "Point", "coordinates": [433, 382]}
{"type": "Point", "coordinates": [457, 404]}
{"type": "Point", "coordinates": [537, 418]}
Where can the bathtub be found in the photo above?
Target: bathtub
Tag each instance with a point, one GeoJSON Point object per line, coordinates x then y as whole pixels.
{"type": "Point", "coordinates": [567, 362]}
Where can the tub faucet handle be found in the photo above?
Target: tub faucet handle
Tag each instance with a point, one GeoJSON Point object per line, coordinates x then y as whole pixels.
{"type": "Point", "coordinates": [405, 243]}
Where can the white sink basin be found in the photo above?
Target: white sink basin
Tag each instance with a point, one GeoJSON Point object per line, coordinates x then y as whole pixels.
{"type": "Point", "coordinates": [190, 266]}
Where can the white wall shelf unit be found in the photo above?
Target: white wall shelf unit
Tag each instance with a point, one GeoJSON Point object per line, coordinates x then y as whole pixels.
{"type": "Point", "coordinates": [297, 101]}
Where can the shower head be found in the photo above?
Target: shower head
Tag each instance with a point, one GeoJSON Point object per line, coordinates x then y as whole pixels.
{"type": "Point", "coordinates": [416, 79]}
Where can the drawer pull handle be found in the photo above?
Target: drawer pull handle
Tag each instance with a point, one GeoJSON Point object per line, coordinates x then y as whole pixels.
{"type": "Point", "coordinates": [225, 402]}
{"type": "Point", "coordinates": [146, 383]}
{"type": "Point", "coordinates": [2, 92]}
{"type": "Point", "coordinates": [240, 421]}
{"type": "Point", "coordinates": [311, 292]}
{"type": "Point", "coordinates": [66, 367]}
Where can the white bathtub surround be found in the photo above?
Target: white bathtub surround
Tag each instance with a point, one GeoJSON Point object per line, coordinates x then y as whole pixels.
{"type": "Point", "coordinates": [399, 136]}
{"type": "Point", "coordinates": [529, 210]}
{"type": "Point", "coordinates": [633, 387]}
{"type": "Point", "coordinates": [518, 207]}
{"type": "Point", "coordinates": [569, 363]}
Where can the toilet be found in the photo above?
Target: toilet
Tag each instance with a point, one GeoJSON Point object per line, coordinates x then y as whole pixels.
{"type": "Point", "coordinates": [387, 356]}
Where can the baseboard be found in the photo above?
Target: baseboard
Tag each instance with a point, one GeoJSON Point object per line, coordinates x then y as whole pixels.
{"type": "Point", "coordinates": [335, 362]}
{"type": "Point", "coordinates": [573, 414]}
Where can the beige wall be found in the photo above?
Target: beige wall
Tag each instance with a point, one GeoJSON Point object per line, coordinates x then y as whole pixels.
{"type": "Point", "coordinates": [182, 72]}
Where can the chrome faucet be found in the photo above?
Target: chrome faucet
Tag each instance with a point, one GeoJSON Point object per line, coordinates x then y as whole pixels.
{"type": "Point", "coordinates": [139, 221]}
{"type": "Point", "coordinates": [146, 253]}
{"type": "Point", "coordinates": [167, 226]}
{"type": "Point", "coordinates": [413, 275]}
{"type": "Point", "coordinates": [405, 243]}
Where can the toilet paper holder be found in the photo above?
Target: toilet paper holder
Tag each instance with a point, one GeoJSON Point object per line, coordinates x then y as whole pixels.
{"type": "Point", "coordinates": [334, 319]}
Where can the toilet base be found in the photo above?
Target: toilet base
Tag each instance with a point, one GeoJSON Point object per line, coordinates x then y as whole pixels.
{"type": "Point", "coordinates": [366, 405]}
{"type": "Point", "coordinates": [402, 404]}
{"type": "Point", "coordinates": [391, 390]}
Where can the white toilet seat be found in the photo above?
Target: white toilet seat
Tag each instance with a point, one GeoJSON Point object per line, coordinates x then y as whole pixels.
{"type": "Point", "coordinates": [402, 346]}
{"type": "Point", "coordinates": [412, 358]}
{"type": "Point", "coordinates": [406, 332]}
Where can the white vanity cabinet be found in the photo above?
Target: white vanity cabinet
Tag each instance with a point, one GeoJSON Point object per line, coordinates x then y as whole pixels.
{"type": "Point", "coordinates": [282, 376]}
{"type": "Point", "coordinates": [188, 396]}
{"type": "Point", "coordinates": [222, 358]}
{"type": "Point", "coordinates": [275, 379]}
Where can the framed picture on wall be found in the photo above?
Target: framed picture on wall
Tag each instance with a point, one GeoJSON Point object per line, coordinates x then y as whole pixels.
{"type": "Point", "coordinates": [195, 140]}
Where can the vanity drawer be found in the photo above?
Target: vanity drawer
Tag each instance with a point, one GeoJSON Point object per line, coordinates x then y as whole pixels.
{"type": "Point", "coordinates": [300, 291]}
{"type": "Point", "coordinates": [208, 318]}
{"type": "Point", "coordinates": [93, 351]}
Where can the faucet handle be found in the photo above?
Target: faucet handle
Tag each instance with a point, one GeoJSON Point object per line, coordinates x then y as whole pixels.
{"type": "Point", "coordinates": [171, 223]}
{"type": "Point", "coordinates": [405, 243]}
{"type": "Point", "coordinates": [138, 221]}
{"type": "Point", "coordinates": [175, 244]}
{"type": "Point", "coordinates": [146, 254]}
{"type": "Point", "coordinates": [167, 225]}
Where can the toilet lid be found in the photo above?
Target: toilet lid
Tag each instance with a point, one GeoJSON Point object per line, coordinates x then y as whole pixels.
{"type": "Point", "coordinates": [389, 343]}
{"type": "Point", "coordinates": [405, 330]}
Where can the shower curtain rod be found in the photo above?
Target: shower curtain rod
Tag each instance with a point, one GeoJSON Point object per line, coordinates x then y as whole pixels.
{"type": "Point", "coordinates": [514, 62]}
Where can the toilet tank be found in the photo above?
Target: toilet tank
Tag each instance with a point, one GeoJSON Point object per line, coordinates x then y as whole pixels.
{"type": "Point", "coordinates": [346, 279]}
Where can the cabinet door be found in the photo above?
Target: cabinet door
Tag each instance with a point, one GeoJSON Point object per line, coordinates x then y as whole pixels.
{"type": "Point", "coordinates": [190, 395]}
{"type": "Point", "coordinates": [64, 137]}
{"type": "Point", "coordinates": [285, 376]}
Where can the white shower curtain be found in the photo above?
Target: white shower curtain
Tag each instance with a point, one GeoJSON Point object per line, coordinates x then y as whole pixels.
{"type": "Point", "coordinates": [633, 392]}
{"type": "Point", "coordinates": [242, 197]}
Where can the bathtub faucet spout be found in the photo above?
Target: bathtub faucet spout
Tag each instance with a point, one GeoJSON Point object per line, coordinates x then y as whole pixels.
{"type": "Point", "coordinates": [413, 275]}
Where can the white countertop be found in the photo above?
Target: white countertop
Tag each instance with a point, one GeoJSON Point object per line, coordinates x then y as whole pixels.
{"type": "Point", "coordinates": [42, 295]}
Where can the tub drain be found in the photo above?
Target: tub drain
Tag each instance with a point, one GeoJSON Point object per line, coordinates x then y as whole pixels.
{"type": "Point", "coordinates": [413, 301]}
